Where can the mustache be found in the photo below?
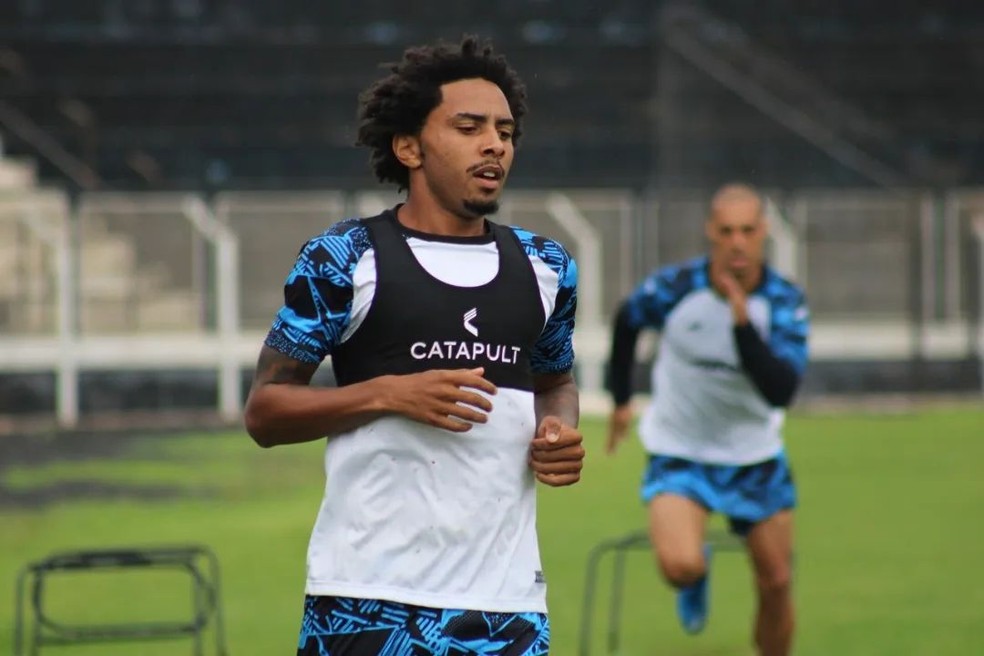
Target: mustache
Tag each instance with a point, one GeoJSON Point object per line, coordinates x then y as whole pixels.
{"type": "Point", "coordinates": [481, 165]}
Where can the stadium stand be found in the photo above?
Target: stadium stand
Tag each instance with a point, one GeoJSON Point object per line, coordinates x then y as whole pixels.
{"type": "Point", "coordinates": [208, 94]}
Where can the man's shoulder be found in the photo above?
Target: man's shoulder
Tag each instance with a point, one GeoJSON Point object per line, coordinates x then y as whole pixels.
{"type": "Point", "coordinates": [345, 229]}
{"type": "Point", "coordinates": [340, 240]}
{"type": "Point", "coordinates": [693, 268]}
{"type": "Point", "coordinates": [680, 278]}
{"type": "Point", "coordinates": [779, 288]}
{"type": "Point", "coordinates": [551, 251]}
{"type": "Point", "coordinates": [334, 252]}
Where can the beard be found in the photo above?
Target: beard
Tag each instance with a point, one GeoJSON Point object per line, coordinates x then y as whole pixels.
{"type": "Point", "coordinates": [480, 208]}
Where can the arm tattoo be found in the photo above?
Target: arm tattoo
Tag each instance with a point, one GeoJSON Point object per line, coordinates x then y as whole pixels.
{"type": "Point", "coordinates": [276, 368]}
{"type": "Point", "coordinates": [556, 394]}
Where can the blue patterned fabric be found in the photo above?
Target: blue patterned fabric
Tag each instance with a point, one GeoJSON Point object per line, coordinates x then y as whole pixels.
{"type": "Point", "coordinates": [337, 626]}
{"type": "Point", "coordinates": [318, 297]}
{"type": "Point", "coordinates": [554, 352]}
{"type": "Point", "coordinates": [318, 293]}
{"type": "Point", "coordinates": [790, 320]}
{"type": "Point", "coordinates": [745, 494]}
{"type": "Point", "coordinates": [659, 292]}
{"type": "Point", "coordinates": [655, 297]}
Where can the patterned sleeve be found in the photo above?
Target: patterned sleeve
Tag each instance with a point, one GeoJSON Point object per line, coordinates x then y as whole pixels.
{"type": "Point", "coordinates": [553, 352]}
{"type": "Point", "coordinates": [790, 327]}
{"type": "Point", "coordinates": [650, 303]}
{"type": "Point", "coordinates": [318, 295]}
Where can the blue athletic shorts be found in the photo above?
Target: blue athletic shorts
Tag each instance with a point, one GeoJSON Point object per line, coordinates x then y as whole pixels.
{"type": "Point", "coordinates": [745, 494]}
{"type": "Point", "coordinates": [339, 626]}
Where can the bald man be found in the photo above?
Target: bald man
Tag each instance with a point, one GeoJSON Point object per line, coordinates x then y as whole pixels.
{"type": "Point", "coordinates": [732, 353]}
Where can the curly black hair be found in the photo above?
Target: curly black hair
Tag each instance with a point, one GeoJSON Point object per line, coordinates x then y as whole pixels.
{"type": "Point", "coordinates": [400, 103]}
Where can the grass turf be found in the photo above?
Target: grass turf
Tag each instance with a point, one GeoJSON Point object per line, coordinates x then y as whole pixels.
{"type": "Point", "coordinates": [889, 537]}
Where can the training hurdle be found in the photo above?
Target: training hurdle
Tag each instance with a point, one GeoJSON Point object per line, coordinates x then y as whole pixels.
{"type": "Point", "coordinates": [638, 540]}
{"type": "Point", "coordinates": [35, 628]}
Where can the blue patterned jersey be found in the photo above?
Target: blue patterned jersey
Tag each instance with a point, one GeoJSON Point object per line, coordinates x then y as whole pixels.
{"type": "Point", "coordinates": [320, 310]}
{"type": "Point", "coordinates": [703, 407]}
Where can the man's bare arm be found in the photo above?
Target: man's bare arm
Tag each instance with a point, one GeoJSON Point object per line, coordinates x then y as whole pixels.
{"type": "Point", "coordinates": [283, 409]}
{"type": "Point", "coordinates": [556, 395]}
{"type": "Point", "coordinates": [556, 452]}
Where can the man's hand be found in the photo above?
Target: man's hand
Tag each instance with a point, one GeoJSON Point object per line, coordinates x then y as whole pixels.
{"type": "Point", "coordinates": [618, 426]}
{"type": "Point", "coordinates": [727, 284]}
{"type": "Point", "coordinates": [556, 454]}
{"type": "Point", "coordinates": [443, 398]}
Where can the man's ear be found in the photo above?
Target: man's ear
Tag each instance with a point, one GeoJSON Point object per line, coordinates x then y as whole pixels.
{"type": "Point", "coordinates": [709, 228]}
{"type": "Point", "coordinates": [406, 147]}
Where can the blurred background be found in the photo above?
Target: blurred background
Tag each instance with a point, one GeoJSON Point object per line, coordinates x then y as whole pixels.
{"type": "Point", "coordinates": [163, 160]}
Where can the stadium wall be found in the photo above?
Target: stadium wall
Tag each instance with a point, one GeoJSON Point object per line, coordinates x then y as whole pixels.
{"type": "Point", "coordinates": [126, 302]}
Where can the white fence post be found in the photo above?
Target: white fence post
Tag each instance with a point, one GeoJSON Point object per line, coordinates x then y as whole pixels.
{"type": "Point", "coordinates": [59, 239]}
{"type": "Point", "coordinates": [785, 241]}
{"type": "Point", "coordinates": [589, 287]}
{"type": "Point", "coordinates": [227, 303]}
{"type": "Point", "coordinates": [67, 400]}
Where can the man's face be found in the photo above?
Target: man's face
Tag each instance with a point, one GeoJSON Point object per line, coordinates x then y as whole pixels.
{"type": "Point", "coordinates": [466, 147]}
{"type": "Point", "coordinates": [736, 230]}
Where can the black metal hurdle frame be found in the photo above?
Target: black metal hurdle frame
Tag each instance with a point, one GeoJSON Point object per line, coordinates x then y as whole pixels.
{"type": "Point", "coordinates": [197, 561]}
{"type": "Point", "coordinates": [720, 541]}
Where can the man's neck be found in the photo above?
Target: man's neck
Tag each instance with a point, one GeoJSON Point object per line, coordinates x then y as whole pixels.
{"type": "Point", "coordinates": [431, 218]}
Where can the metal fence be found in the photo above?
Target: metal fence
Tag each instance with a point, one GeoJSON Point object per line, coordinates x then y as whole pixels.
{"type": "Point", "coordinates": [172, 281]}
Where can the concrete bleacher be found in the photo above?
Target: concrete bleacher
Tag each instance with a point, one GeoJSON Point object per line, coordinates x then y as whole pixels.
{"type": "Point", "coordinates": [121, 285]}
{"type": "Point", "coordinates": [267, 115]}
{"type": "Point", "coordinates": [900, 82]}
{"type": "Point", "coordinates": [278, 109]}
{"type": "Point", "coordinates": [25, 281]}
{"type": "Point", "coordinates": [121, 292]}
{"type": "Point", "coordinates": [259, 97]}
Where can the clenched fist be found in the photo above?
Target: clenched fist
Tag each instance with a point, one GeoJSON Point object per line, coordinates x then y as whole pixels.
{"type": "Point", "coordinates": [556, 454]}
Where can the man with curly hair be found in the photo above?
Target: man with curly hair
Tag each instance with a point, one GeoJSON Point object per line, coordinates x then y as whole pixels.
{"type": "Point", "coordinates": [450, 337]}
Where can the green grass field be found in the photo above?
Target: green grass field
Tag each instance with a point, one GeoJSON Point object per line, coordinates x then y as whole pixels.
{"type": "Point", "coordinates": [890, 540]}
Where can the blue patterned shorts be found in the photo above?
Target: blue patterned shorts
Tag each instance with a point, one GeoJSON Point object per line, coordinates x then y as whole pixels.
{"type": "Point", "coordinates": [339, 626]}
{"type": "Point", "coordinates": [745, 494]}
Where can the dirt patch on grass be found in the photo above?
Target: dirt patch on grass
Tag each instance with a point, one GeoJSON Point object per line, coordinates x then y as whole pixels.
{"type": "Point", "coordinates": [120, 441]}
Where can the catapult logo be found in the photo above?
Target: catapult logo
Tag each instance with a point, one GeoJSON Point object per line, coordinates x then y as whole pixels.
{"type": "Point", "coordinates": [465, 350]}
{"type": "Point", "coordinates": [470, 316]}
